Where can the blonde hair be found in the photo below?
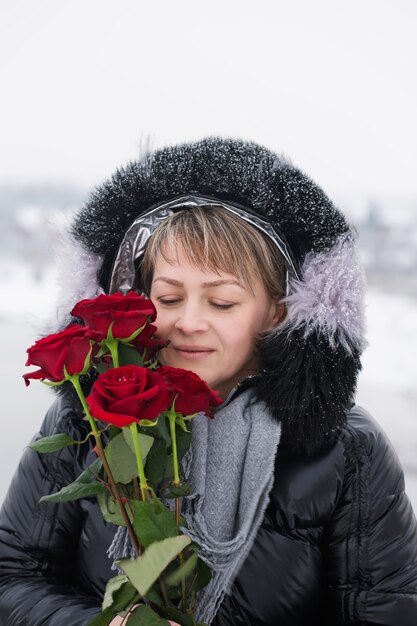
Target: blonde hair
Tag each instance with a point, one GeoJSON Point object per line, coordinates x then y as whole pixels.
{"type": "Point", "coordinates": [214, 238]}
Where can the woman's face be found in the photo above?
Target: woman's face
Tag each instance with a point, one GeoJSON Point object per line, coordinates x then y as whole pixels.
{"type": "Point", "coordinates": [210, 320]}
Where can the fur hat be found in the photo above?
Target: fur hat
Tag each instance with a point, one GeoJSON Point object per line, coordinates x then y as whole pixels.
{"type": "Point", "coordinates": [311, 362]}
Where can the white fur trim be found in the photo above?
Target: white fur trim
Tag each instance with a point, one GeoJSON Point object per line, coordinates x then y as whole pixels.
{"type": "Point", "coordinates": [330, 296]}
{"type": "Point", "coordinates": [77, 276]}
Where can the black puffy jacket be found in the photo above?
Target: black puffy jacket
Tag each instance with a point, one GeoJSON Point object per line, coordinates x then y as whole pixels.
{"type": "Point", "coordinates": [331, 550]}
{"type": "Point", "coordinates": [338, 544]}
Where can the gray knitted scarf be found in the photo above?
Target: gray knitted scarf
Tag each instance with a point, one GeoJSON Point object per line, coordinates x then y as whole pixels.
{"type": "Point", "coordinates": [230, 466]}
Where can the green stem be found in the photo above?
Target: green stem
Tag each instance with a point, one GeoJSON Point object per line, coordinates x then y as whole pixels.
{"type": "Point", "coordinates": [176, 481]}
{"type": "Point", "coordinates": [136, 491]}
{"type": "Point", "coordinates": [183, 590]}
{"type": "Point", "coordinates": [163, 591]}
{"type": "Point", "coordinates": [139, 460]}
{"type": "Point", "coordinates": [114, 349]}
{"type": "Point", "coordinates": [171, 417]}
{"type": "Point", "coordinates": [100, 451]}
{"type": "Point", "coordinates": [76, 383]}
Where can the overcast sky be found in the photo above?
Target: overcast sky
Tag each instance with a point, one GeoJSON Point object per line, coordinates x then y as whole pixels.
{"type": "Point", "coordinates": [331, 84]}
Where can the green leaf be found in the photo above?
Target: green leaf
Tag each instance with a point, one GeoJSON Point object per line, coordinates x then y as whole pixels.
{"type": "Point", "coordinates": [113, 585]}
{"type": "Point", "coordinates": [74, 491]}
{"type": "Point", "coordinates": [154, 596]}
{"type": "Point", "coordinates": [169, 470]}
{"type": "Point", "coordinates": [101, 367]}
{"type": "Point", "coordinates": [183, 442]}
{"type": "Point", "coordinates": [145, 442]}
{"type": "Point", "coordinates": [144, 616]}
{"type": "Point", "coordinates": [119, 594]}
{"type": "Point", "coordinates": [113, 431]}
{"type": "Point", "coordinates": [181, 423]}
{"type": "Point", "coordinates": [110, 509]}
{"type": "Point", "coordinates": [177, 492]}
{"type": "Point", "coordinates": [84, 486]}
{"type": "Point", "coordinates": [204, 575]}
{"type": "Point", "coordinates": [129, 355]}
{"type": "Point", "coordinates": [156, 463]}
{"type": "Point", "coordinates": [146, 569]}
{"type": "Point", "coordinates": [153, 521]}
{"type": "Point", "coordinates": [121, 459]}
{"type": "Point", "coordinates": [176, 615]}
{"type": "Point", "coordinates": [53, 443]}
{"type": "Point", "coordinates": [161, 430]}
{"type": "Point", "coordinates": [104, 618]}
{"type": "Point", "coordinates": [183, 571]}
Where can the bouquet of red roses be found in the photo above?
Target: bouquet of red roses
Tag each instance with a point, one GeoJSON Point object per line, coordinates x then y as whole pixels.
{"type": "Point", "coordinates": [137, 413]}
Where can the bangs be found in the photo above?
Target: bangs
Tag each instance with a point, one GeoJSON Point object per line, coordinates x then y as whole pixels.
{"type": "Point", "coordinates": [215, 239]}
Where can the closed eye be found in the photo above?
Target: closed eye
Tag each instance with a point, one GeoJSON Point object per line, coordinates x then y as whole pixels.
{"type": "Point", "coordinates": [215, 305]}
{"type": "Point", "coordinates": [165, 301]}
{"type": "Point", "coordinates": [222, 306]}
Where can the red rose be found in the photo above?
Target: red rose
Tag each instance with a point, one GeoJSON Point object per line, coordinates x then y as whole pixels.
{"type": "Point", "coordinates": [127, 312]}
{"type": "Point", "coordinates": [69, 348]}
{"type": "Point", "coordinates": [146, 344]}
{"type": "Point", "coordinates": [194, 395]}
{"type": "Point", "coordinates": [128, 394]}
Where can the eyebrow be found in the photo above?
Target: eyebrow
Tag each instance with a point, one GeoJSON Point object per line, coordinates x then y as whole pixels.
{"type": "Point", "coordinates": [213, 283]}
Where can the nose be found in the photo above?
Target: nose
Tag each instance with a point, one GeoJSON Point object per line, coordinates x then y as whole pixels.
{"type": "Point", "coordinates": [191, 318]}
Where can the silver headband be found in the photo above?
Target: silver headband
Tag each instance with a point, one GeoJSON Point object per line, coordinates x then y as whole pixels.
{"type": "Point", "coordinates": [131, 249]}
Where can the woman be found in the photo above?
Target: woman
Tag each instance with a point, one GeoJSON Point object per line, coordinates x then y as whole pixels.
{"type": "Point", "coordinates": [298, 498]}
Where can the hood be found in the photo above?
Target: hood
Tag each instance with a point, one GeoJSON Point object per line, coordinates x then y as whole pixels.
{"type": "Point", "coordinates": [309, 366]}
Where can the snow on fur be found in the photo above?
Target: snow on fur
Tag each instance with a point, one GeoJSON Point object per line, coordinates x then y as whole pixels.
{"type": "Point", "coordinates": [330, 296]}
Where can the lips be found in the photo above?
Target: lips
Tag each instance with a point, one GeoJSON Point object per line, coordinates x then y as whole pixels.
{"type": "Point", "coordinates": [192, 352]}
{"type": "Point", "coordinates": [193, 348]}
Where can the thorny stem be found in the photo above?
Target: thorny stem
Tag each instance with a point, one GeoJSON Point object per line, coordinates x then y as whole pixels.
{"type": "Point", "coordinates": [100, 451]}
{"type": "Point", "coordinates": [140, 548]}
{"type": "Point", "coordinates": [176, 482]}
{"type": "Point", "coordinates": [139, 460]}
{"type": "Point", "coordinates": [136, 491]}
{"type": "Point", "coordinates": [171, 417]}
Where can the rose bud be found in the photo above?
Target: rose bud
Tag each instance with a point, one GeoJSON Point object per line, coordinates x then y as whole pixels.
{"type": "Point", "coordinates": [67, 352]}
{"type": "Point", "coordinates": [126, 314]}
{"type": "Point", "coordinates": [193, 393]}
{"type": "Point", "coordinates": [128, 394]}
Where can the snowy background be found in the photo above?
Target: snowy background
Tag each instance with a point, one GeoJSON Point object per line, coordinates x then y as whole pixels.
{"type": "Point", "coordinates": [329, 84]}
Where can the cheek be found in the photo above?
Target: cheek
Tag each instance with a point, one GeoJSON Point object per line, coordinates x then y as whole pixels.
{"type": "Point", "coordinates": [252, 323]}
{"type": "Point", "coordinates": [243, 333]}
{"type": "Point", "coordinates": [239, 337]}
{"type": "Point", "coordinates": [162, 323]}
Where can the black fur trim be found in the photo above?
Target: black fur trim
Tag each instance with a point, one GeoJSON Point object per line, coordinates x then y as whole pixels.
{"type": "Point", "coordinates": [227, 169]}
{"type": "Point", "coordinates": [309, 386]}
